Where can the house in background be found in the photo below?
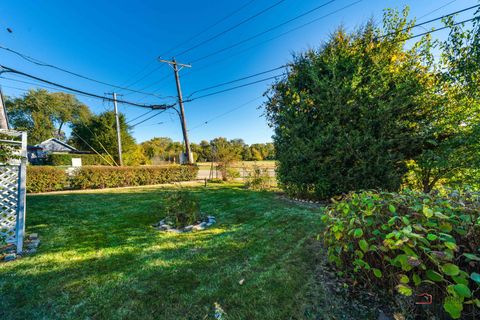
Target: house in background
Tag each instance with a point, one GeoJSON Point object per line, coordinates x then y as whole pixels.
{"type": "Point", "coordinates": [38, 154]}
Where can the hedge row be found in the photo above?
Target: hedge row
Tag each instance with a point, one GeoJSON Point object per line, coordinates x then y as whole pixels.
{"type": "Point", "coordinates": [45, 178]}
{"type": "Point", "coordinates": [59, 159]}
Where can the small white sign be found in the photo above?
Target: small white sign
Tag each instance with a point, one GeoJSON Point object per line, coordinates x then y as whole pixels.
{"type": "Point", "coordinates": [76, 162]}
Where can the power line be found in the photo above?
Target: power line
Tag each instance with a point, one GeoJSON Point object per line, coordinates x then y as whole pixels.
{"type": "Point", "coordinates": [401, 40]}
{"type": "Point", "coordinates": [155, 115]}
{"type": "Point", "coordinates": [41, 86]}
{"type": "Point", "coordinates": [144, 77]}
{"type": "Point", "coordinates": [231, 28]}
{"type": "Point", "coordinates": [435, 10]}
{"type": "Point", "coordinates": [282, 34]}
{"type": "Point", "coordinates": [430, 21]}
{"type": "Point", "coordinates": [236, 80]}
{"type": "Point", "coordinates": [278, 26]}
{"type": "Point", "coordinates": [225, 113]}
{"type": "Point", "coordinates": [234, 88]}
{"type": "Point", "coordinates": [44, 64]}
{"type": "Point", "coordinates": [140, 116]}
{"type": "Point", "coordinates": [209, 27]}
{"type": "Point", "coordinates": [81, 91]}
{"type": "Point", "coordinates": [439, 29]}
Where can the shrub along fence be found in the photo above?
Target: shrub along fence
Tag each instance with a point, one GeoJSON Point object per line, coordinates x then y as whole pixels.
{"type": "Point", "coordinates": [59, 159]}
{"type": "Point", "coordinates": [45, 178]}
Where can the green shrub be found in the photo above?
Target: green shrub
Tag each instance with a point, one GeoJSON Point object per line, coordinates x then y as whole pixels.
{"type": "Point", "coordinates": [182, 208]}
{"type": "Point", "coordinates": [111, 177]}
{"type": "Point", "coordinates": [258, 179]}
{"type": "Point", "coordinates": [65, 159]}
{"type": "Point", "coordinates": [409, 241]}
{"type": "Point", "coordinates": [45, 178]}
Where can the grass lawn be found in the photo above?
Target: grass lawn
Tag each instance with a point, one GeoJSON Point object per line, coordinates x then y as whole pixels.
{"type": "Point", "coordinates": [101, 259]}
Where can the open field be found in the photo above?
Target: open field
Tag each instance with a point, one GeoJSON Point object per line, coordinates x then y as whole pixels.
{"type": "Point", "coordinates": [241, 164]}
{"type": "Point", "coordinates": [101, 259]}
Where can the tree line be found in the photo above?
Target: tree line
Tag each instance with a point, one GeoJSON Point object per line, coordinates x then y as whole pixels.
{"type": "Point", "coordinates": [45, 115]}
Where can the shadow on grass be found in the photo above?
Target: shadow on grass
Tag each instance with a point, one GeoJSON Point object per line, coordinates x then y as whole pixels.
{"type": "Point", "coordinates": [100, 258]}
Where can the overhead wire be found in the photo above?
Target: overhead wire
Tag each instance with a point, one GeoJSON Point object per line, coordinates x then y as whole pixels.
{"type": "Point", "coordinates": [274, 28]}
{"type": "Point", "coordinates": [45, 64]}
{"type": "Point", "coordinates": [140, 116]}
{"type": "Point", "coordinates": [429, 21]}
{"type": "Point", "coordinates": [209, 27]}
{"type": "Point", "coordinates": [272, 38]}
{"type": "Point", "coordinates": [78, 136]}
{"type": "Point", "coordinates": [234, 88]}
{"type": "Point", "coordinates": [8, 69]}
{"type": "Point", "coordinates": [232, 27]}
{"type": "Point", "coordinates": [225, 113]}
{"type": "Point", "coordinates": [236, 80]}
{"type": "Point", "coordinates": [274, 77]}
{"type": "Point", "coordinates": [155, 115]}
{"type": "Point", "coordinates": [437, 9]}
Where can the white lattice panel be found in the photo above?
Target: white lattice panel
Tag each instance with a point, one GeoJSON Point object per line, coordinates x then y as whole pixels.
{"type": "Point", "coordinates": [8, 201]}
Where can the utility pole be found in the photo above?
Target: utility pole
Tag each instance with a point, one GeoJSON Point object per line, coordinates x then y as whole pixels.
{"type": "Point", "coordinates": [175, 66]}
{"type": "Point", "coordinates": [119, 139]}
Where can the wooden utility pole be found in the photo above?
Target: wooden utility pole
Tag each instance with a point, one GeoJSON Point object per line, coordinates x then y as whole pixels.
{"type": "Point", "coordinates": [175, 66]}
{"type": "Point", "coordinates": [3, 113]}
{"type": "Point", "coordinates": [119, 139]}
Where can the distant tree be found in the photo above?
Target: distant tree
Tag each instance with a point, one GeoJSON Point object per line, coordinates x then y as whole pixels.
{"type": "Point", "coordinates": [157, 147]}
{"type": "Point", "coordinates": [43, 114]}
{"type": "Point", "coordinates": [224, 152]}
{"type": "Point", "coordinates": [100, 132]}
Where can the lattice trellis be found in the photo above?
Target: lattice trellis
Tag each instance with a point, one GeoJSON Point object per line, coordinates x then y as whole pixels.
{"type": "Point", "coordinates": [12, 190]}
{"type": "Point", "coordinates": [8, 201]}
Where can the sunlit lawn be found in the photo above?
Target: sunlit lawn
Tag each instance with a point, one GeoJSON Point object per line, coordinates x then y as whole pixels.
{"type": "Point", "coordinates": [101, 259]}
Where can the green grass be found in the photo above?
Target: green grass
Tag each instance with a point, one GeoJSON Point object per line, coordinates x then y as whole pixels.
{"type": "Point", "coordinates": [101, 259]}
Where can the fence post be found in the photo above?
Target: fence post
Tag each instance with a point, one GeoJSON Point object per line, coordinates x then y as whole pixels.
{"type": "Point", "coordinates": [22, 179]}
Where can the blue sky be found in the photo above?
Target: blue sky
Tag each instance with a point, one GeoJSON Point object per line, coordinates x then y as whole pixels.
{"type": "Point", "coordinates": [118, 42]}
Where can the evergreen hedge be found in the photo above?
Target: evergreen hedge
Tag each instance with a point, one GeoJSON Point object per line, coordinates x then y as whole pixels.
{"type": "Point", "coordinates": [47, 178]}
{"type": "Point", "coordinates": [65, 159]}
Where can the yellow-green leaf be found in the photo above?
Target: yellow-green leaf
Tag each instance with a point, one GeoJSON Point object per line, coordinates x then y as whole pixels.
{"type": "Point", "coordinates": [450, 269]}
{"type": "Point", "coordinates": [391, 208]}
{"type": "Point", "coordinates": [363, 244]}
{"type": "Point", "coordinates": [377, 272]}
{"type": "Point", "coordinates": [404, 279]}
{"type": "Point", "coordinates": [454, 306]}
{"type": "Point", "coordinates": [427, 212]}
{"type": "Point", "coordinates": [404, 289]}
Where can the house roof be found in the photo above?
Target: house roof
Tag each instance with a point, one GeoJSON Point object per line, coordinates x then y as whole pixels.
{"type": "Point", "coordinates": [57, 141]}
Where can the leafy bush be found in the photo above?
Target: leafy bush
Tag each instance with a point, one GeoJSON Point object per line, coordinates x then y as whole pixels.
{"type": "Point", "coordinates": [182, 208]}
{"type": "Point", "coordinates": [61, 159]}
{"type": "Point", "coordinates": [112, 177]}
{"type": "Point", "coordinates": [45, 178]}
{"type": "Point", "coordinates": [258, 179]}
{"type": "Point", "coordinates": [409, 241]}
